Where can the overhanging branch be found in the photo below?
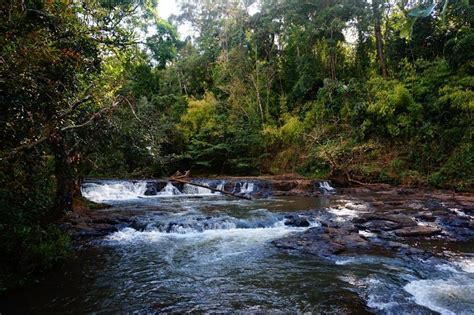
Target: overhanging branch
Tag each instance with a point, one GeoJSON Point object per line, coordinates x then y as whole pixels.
{"type": "Point", "coordinates": [51, 130]}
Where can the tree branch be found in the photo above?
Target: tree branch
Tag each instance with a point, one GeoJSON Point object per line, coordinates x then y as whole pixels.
{"type": "Point", "coordinates": [93, 117]}
{"type": "Point", "coordinates": [23, 147]}
{"type": "Point", "coordinates": [74, 106]}
{"type": "Point", "coordinates": [51, 130]}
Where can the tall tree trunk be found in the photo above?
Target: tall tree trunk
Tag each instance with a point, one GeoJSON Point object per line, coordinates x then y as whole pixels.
{"type": "Point", "coordinates": [65, 185]}
{"type": "Point", "coordinates": [257, 86]}
{"type": "Point", "coordinates": [378, 38]}
{"type": "Point", "coordinates": [332, 46]}
{"type": "Point", "coordinates": [332, 62]}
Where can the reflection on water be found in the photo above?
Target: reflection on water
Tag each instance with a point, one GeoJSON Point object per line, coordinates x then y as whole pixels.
{"type": "Point", "coordinates": [214, 254]}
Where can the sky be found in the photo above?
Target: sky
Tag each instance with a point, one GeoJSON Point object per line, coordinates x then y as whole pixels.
{"type": "Point", "coordinates": [169, 7]}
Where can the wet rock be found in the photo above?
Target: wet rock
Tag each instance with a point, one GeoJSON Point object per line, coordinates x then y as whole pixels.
{"type": "Point", "coordinates": [297, 221]}
{"type": "Point", "coordinates": [458, 227]}
{"type": "Point", "coordinates": [105, 220]}
{"type": "Point", "coordinates": [397, 220]}
{"type": "Point", "coordinates": [379, 225]}
{"type": "Point", "coordinates": [426, 217]}
{"type": "Point", "coordinates": [468, 211]}
{"type": "Point", "coordinates": [415, 206]}
{"type": "Point", "coordinates": [284, 185]}
{"type": "Point", "coordinates": [394, 202]}
{"type": "Point", "coordinates": [324, 241]}
{"type": "Point", "coordinates": [151, 191]}
{"type": "Point", "coordinates": [281, 193]}
{"type": "Point", "coordinates": [305, 186]}
{"type": "Point", "coordinates": [314, 241]}
{"type": "Point", "coordinates": [405, 191]}
{"type": "Point", "coordinates": [434, 205]}
{"type": "Point", "coordinates": [139, 226]}
{"type": "Point", "coordinates": [92, 230]}
{"type": "Point", "coordinates": [418, 231]}
{"type": "Point", "coordinates": [457, 221]}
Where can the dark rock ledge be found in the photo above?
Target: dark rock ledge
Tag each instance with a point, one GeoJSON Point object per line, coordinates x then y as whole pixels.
{"type": "Point", "coordinates": [386, 227]}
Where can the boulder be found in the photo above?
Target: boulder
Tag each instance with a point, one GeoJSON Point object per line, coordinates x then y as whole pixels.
{"type": "Point", "coordinates": [418, 231]}
{"type": "Point", "coordinates": [324, 241]}
{"type": "Point", "coordinates": [379, 225]}
{"type": "Point", "coordinates": [284, 185]}
{"type": "Point", "coordinates": [151, 191]}
{"type": "Point", "coordinates": [426, 217]}
{"type": "Point", "coordinates": [297, 221]}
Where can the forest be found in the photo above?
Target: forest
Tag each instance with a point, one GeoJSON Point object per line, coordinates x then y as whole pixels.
{"type": "Point", "coordinates": [360, 91]}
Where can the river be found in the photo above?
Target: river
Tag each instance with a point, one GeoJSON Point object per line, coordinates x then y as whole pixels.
{"type": "Point", "coordinates": [191, 250]}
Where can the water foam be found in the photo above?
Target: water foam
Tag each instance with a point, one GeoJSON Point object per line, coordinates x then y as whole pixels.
{"type": "Point", "coordinates": [367, 233]}
{"type": "Point", "coordinates": [226, 232]}
{"type": "Point", "coordinates": [325, 187]}
{"type": "Point", "coordinates": [100, 192]}
{"type": "Point", "coordinates": [131, 190]}
{"type": "Point", "coordinates": [466, 264]}
{"type": "Point", "coordinates": [446, 296]}
{"type": "Point", "coordinates": [169, 190]}
{"type": "Point", "coordinates": [196, 190]}
{"type": "Point", "coordinates": [348, 211]}
{"type": "Point", "coordinates": [247, 188]}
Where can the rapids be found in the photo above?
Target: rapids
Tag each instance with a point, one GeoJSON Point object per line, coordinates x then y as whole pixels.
{"type": "Point", "coordinates": [192, 250]}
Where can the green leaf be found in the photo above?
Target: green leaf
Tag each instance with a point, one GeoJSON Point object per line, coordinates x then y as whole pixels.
{"type": "Point", "coordinates": [407, 28]}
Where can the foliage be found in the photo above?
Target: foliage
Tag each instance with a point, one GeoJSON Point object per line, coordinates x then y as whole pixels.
{"type": "Point", "coordinates": [366, 91]}
{"type": "Point", "coordinates": [391, 111]}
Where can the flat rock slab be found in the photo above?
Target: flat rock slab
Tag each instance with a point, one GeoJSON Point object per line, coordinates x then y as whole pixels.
{"type": "Point", "coordinates": [324, 241]}
{"type": "Point", "coordinates": [418, 231]}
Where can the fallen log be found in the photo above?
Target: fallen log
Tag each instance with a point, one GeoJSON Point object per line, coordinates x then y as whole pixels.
{"type": "Point", "coordinates": [182, 181]}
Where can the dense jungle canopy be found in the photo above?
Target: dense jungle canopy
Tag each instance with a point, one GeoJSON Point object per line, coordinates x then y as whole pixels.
{"type": "Point", "coordinates": [364, 91]}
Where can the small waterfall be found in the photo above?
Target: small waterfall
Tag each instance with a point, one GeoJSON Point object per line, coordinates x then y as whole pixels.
{"type": "Point", "coordinates": [326, 188]}
{"type": "Point", "coordinates": [221, 185]}
{"type": "Point", "coordinates": [195, 190]}
{"type": "Point", "coordinates": [113, 190]}
{"type": "Point", "coordinates": [247, 188]}
{"type": "Point", "coordinates": [196, 227]}
{"type": "Point", "coordinates": [169, 190]}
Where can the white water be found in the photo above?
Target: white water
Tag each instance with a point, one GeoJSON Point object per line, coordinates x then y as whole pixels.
{"type": "Point", "coordinates": [110, 191]}
{"type": "Point", "coordinates": [169, 190]}
{"type": "Point", "coordinates": [454, 295]}
{"type": "Point", "coordinates": [195, 190]}
{"type": "Point", "coordinates": [247, 187]}
{"type": "Point", "coordinates": [347, 211]}
{"type": "Point", "coordinates": [227, 234]}
{"type": "Point", "coordinates": [448, 289]}
{"type": "Point", "coordinates": [221, 185]}
{"type": "Point", "coordinates": [125, 190]}
{"type": "Point", "coordinates": [466, 264]}
{"type": "Point", "coordinates": [324, 186]}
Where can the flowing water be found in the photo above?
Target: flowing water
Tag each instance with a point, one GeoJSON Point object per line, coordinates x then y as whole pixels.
{"type": "Point", "coordinates": [192, 250]}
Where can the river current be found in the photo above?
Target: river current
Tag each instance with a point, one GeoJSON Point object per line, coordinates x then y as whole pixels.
{"type": "Point", "coordinates": [191, 250]}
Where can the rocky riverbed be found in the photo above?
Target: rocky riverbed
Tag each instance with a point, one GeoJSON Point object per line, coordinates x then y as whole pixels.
{"type": "Point", "coordinates": [395, 221]}
{"type": "Point", "coordinates": [297, 246]}
{"type": "Point", "coordinates": [381, 216]}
